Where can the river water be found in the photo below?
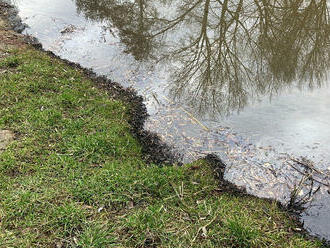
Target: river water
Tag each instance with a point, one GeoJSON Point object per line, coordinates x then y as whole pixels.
{"type": "Point", "coordinates": [246, 80]}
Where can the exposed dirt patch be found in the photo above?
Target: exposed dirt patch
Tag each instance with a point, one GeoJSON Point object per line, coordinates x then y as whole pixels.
{"type": "Point", "coordinates": [10, 13]}
{"type": "Point", "coordinates": [6, 137]}
{"type": "Point", "coordinates": [9, 37]}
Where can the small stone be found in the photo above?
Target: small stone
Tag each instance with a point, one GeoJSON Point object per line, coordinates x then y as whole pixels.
{"type": "Point", "coordinates": [6, 137]}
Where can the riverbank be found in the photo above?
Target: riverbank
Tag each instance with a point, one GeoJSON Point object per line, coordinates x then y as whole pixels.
{"type": "Point", "coordinates": [76, 174]}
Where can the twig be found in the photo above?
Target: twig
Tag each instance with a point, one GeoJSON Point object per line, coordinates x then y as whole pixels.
{"type": "Point", "coordinates": [203, 227]}
{"type": "Point", "coordinates": [308, 166]}
{"type": "Point", "coordinates": [316, 180]}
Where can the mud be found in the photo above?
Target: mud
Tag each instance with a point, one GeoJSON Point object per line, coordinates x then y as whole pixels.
{"type": "Point", "coordinates": [11, 14]}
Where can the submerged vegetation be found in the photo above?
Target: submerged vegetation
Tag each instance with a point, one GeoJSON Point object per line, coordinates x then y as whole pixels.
{"type": "Point", "coordinates": [75, 176]}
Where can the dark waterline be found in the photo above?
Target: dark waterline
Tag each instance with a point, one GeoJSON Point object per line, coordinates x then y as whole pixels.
{"type": "Point", "coordinates": [269, 103]}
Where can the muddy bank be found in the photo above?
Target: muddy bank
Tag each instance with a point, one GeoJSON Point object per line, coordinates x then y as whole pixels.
{"type": "Point", "coordinates": [11, 14]}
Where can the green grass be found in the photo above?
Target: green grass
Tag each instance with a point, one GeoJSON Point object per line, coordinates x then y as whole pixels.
{"type": "Point", "coordinates": [75, 177]}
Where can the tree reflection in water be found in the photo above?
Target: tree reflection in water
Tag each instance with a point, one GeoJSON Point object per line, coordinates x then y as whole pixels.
{"type": "Point", "coordinates": [226, 53]}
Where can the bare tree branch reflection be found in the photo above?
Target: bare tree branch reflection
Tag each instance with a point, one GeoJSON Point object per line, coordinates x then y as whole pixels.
{"type": "Point", "coordinates": [225, 53]}
{"type": "Point", "coordinates": [128, 17]}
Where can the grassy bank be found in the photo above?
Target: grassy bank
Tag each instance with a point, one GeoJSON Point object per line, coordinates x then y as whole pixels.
{"type": "Point", "coordinates": [75, 176]}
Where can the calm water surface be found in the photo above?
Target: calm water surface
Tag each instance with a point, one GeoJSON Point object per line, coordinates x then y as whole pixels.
{"type": "Point", "coordinates": [247, 80]}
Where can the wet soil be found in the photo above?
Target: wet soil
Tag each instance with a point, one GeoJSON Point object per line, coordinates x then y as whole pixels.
{"type": "Point", "coordinates": [8, 36]}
